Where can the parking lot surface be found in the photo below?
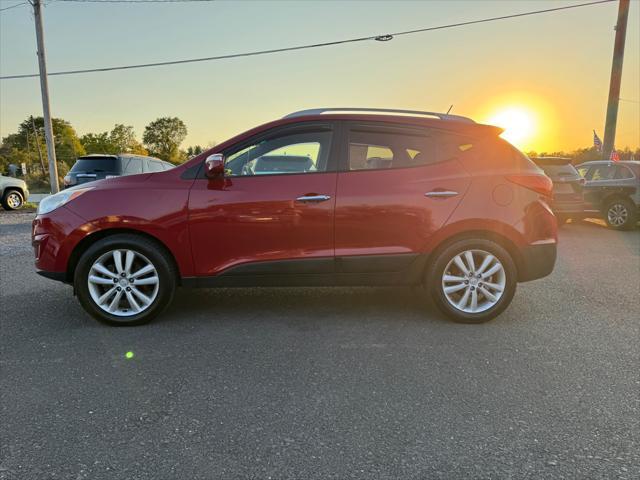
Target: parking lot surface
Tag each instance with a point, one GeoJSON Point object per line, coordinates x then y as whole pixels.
{"type": "Point", "coordinates": [327, 383]}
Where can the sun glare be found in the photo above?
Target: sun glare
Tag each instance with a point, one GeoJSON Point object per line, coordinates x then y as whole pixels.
{"type": "Point", "coordinates": [519, 125]}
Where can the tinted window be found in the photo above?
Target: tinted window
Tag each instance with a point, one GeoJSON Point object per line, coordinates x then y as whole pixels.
{"type": "Point", "coordinates": [623, 172]}
{"type": "Point", "coordinates": [295, 153]}
{"type": "Point", "coordinates": [134, 166]}
{"type": "Point", "coordinates": [153, 166]}
{"type": "Point", "coordinates": [560, 171]}
{"type": "Point", "coordinates": [583, 171]}
{"type": "Point", "coordinates": [375, 149]}
{"type": "Point", "coordinates": [379, 149]}
{"type": "Point", "coordinates": [601, 172]}
{"type": "Point", "coordinates": [98, 164]}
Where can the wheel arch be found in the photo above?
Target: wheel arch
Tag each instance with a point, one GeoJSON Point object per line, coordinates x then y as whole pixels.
{"type": "Point", "coordinates": [502, 240]}
{"type": "Point", "coordinates": [606, 200]}
{"type": "Point", "coordinates": [90, 239]}
{"type": "Point", "coordinates": [11, 188]}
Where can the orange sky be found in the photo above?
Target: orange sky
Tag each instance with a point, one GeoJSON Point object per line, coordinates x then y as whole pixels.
{"type": "Point", "coordinates": [550, 72]}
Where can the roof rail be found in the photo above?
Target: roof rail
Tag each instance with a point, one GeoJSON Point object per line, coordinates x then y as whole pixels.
{"type": "Point", "coordinates": [319, 111]}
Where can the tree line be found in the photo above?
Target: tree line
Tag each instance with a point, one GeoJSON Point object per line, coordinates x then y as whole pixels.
{"type": "Point", "coordinates": [161, 138]}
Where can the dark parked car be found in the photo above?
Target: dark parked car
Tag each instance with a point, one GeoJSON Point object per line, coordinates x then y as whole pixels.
{"type": "Point", "coordinates": [612, 191]}
{"type": "Point", "coordinates": [567, 200]}
{"type": "Point", "coordinates": [392, 197]}
{"type": "Point", "coordinates": [97, 167]}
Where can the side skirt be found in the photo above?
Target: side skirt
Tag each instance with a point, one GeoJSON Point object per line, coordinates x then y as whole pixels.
{"type": "Point", "coordinates": [375, 270]}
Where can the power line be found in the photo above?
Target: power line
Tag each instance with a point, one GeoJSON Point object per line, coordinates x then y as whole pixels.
{"type": "Point", "coordinates": [14, 6]}
{"type": "Point", "coordinates": [384, 37]}
{"type": "Point", "coordinates": [135, 1]}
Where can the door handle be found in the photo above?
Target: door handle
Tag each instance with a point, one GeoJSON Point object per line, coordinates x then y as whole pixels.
{"type": "Point", "coordinates": [441, 194]}
{"type": "Point", "coordinates": [313, 198]}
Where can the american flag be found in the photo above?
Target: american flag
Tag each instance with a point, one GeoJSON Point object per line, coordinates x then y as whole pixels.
{"type": "Point", "coordinates": [615, 157]}
{"type": "Point", "coordinates": [597, 143]}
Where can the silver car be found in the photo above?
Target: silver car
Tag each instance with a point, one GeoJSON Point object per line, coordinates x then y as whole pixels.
{"type": "Point", "coordinates": [13, 192]}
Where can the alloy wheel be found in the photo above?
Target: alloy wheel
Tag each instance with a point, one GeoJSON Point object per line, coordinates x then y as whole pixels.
{"type": "Point", "coordinates": [123, 282]}
{"type": "Point", "coordinates": [474, 281]}
{"type": "Point", "coordinates": [617, 214]}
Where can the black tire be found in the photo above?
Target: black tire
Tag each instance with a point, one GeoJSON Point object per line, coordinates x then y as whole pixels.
{"type": "Point", "coordinates": [154, 253]}
{"type": "Point", "coordinates": [441, 260]}
{"type": "Point", "coordinates": [12, 199]}
{"type": "Point", "coordinates": [620, 214]}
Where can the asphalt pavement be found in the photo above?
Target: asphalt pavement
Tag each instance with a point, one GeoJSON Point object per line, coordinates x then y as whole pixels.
{"type": "Point", "coordinates": [322, 383]}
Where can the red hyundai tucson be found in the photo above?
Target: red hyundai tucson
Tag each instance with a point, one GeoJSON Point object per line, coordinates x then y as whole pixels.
{"type": "Point", "coordinates": [330, 196]}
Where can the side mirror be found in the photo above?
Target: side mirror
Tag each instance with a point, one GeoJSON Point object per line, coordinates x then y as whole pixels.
{"type": "Point", "coordinates": [214, 165]}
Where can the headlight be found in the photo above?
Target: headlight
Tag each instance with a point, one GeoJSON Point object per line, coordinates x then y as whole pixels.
{"type": "Point", "coordinates": [50, 203]}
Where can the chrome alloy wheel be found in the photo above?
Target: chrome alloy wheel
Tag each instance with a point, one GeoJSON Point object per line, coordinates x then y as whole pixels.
{"type": "Point", "coordinates": [123, 282]}
{"type": "Point", "coordinates": [617, 214]}
{"type": "Point", "coordinates": [14, 200]}
{"type": "Point", "coordinates": [474, 281]}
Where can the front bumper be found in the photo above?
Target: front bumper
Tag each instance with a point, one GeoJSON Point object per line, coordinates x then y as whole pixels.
{"type": "Point", "coordinates": [537, 260]}
{"type": "Point", "coordinates": [53, 237]}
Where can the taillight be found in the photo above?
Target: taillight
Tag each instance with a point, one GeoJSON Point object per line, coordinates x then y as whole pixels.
{"type": "Point", "coordinates": [538, 183]}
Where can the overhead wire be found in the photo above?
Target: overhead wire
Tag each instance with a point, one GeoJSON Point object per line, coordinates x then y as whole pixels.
{"type": "Point", "coordinates": [382, 37]}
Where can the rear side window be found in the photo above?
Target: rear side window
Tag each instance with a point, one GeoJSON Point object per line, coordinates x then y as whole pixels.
{"type": "Point", "coordinates": [623, 173]}
{"type": "Point", "coordinates": [495, 152]}
{"type": "Point", "coordinates": [98, 164]}
{"type": "Point", "coordinates": [373, 149]}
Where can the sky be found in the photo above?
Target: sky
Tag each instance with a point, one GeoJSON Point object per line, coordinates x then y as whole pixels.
{"type": "Point", "coordinates": [545, 77]}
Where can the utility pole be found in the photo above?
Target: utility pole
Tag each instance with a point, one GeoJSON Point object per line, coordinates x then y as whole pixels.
{"type": "Point", "coordinates": [35, 132]}
{"type": "Point", "coordinates": [616, 77]}
{"type": "Point", "coordinates": [44, 87]}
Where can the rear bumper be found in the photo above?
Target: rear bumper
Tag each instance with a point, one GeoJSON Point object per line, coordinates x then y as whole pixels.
{"type": "Point", "coordinates": [537, 260]}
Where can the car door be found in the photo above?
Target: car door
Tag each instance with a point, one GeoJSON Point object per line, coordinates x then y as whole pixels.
{"type": "Point", "coordinates": [600, 182]}
{"type": "Point", "coordinates": [396, 187]}
{"type": "Point", "coordinates": [273, 212]}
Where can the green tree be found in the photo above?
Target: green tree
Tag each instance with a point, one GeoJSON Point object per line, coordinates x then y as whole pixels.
{"type": "Point", "coordinates": [124, 139]}
{"type": "Point", "coordinates": [97, 143]}
{"type": "Point", "coordinates": [66, 141]}
{"type": "Point", "coordinates": [163, 138]}
{"type": "Point", "coordinates": [194, 150]}
{"type": "Point", "coordinates": [121, 139]}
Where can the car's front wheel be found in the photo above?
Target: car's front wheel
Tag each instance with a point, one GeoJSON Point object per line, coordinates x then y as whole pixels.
{"type": "Point", "coordinates": [472, 280]}
{"type": "Point", "coordinates": [12, 200]}
{"type": "Point", "coordinates": [125, 280]}
{"type": "Point", "coordinates": [620, 214]}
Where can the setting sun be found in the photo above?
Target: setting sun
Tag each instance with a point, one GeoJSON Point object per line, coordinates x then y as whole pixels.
{"type": "Point", "coordinates": [519, 125]}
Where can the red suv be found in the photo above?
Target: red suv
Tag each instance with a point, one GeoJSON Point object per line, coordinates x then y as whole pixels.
{"type": "Point", "coordinates": [320, 197]}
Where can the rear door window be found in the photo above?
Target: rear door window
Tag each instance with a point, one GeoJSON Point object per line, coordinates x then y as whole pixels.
{"type": "Point", "coordinates": [601, 172]}
{"type": "Point", "coordinates": [380, 147]}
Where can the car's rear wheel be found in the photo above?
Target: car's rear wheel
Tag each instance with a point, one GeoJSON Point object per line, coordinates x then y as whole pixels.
{"type": "Point", "coordinates": [125, 280]}
{"type": "Point", "coordinates": [12, 200]}
{"type": "Point", "coordinates": [620, 214]}
{"type": "Point", "coordinates": [472, 280]}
